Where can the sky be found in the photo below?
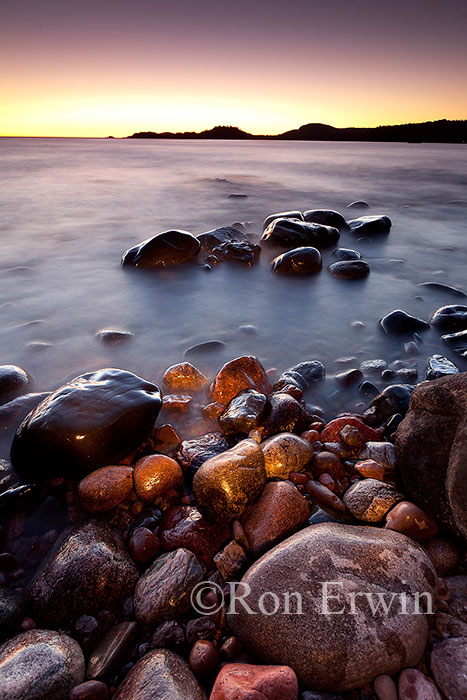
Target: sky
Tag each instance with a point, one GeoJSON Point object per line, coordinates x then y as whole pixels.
{"type": "Point", "coordinates": [112, 67]}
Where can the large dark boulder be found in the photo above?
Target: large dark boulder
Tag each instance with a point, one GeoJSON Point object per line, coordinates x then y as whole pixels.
{"type": "Point", "coordinates": [94, 420]}
{"type": "Point", "coordinates": [164, 249]}
{"type": "Point", "coordinates": [430, 449]}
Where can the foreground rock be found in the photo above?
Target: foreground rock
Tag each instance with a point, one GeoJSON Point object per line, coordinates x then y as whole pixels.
{"type": "Point", "coordinates": [94, 420]}
{"type": "Point", "coordinates": [39, 665]}
{"type": "Point", "coordinates": [226, 484]}
{"type": "Point", "coordinates": [368, 225]}
{"type": "Point", "coordinates": [165, 249]}
{"type": "Point", "coordinates": [12, 610]}
{"type": "Point", "coordinates": [244, 412]}
{"type": "Point", "coordinates": [105, 488]}
{"type": "Point", "coordinates": [285, 453]}
{"type": "Point", "coordinates": [183, 377]}
{"type": "Point", "coordinates": [337, 652]}
{"type": "Point", "coordinates": [192, 454]}
{"type": "Point", "coordinates": [370, 499]}
{"type": "Point", "coordinates": [228, 243]}
{"type": "Point", "coordinates": [430, 449]}
{"type": "Point", "coordinates": [160, 675]}
{"type": "Point", "coordinates": [299, 261]}
{"type": "Point", "coordinates": [87, 570]}
{"type": "Point", "coordinates": [249, 682]}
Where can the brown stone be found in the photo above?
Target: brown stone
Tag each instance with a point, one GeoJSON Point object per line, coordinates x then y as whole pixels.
{"type": "Point", "coordinates": [184, 526]}
{"type": "Point", "coordinates": [409, 519]}
{"type": "Point", "coordinates": [330, 432]}
{"type": "Point", "coordinates": [203, 657]}
{"type": "Point", "coordinates": [370, 469]}
{"type": "Point", "coordinates": [323, 496]}
{"type": "Point", "coordinates": [370, 499]}
{"type": "Point", "coordinates": [285, 453]}
{"type": "Point", "coordinates": [183, 377]}
{"type": "Point", "coordinates": [226, 484]}
{"type": "Point", "coordinates": [112, 649]}
{"type": "Point", "coordinates": [443, 553]}
{"type": "Point", "coordinates": [285, 414]}
{"type": "Point", "coordinates": [249, 682]}
{"type": "Point", "coordinates": [177, 402]}
{"type": "Point", "coordinates": [155, 475]}
{"type": "Point", "coordinates": [144, 545]}
{"type": "Point", "coordinates": [242, 373]}
{"type": "Point", "coordinates": [385, 688]}
{"type": "Point", "coordinates": [230, 561]}
{"type": "Point", "coordinates": [90, 690]}
{"type": "Point", "coordinates": [280, 511]}
{"type": "Point", "coordinates": [328, 463]}
{"type": "Point", "coordinates": [105, 488]}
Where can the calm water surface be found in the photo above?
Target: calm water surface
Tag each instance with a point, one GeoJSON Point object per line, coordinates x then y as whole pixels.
{"type": "Point", "coordinates": [70, 207]}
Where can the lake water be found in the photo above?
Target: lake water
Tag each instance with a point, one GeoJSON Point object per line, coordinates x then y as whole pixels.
{"type": "Point", "coordinates": [70, 207]}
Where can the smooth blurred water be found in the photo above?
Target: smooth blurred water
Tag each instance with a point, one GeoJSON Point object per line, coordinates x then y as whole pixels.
{"type": "Point", "coordinates": [70, 207]}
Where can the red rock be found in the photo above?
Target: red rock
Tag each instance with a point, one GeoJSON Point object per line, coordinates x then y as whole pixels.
{"type": "Point", "coordinates": [330, 432]}
{"type": "Point", "coordinates": [414, 685]}
{"type": "Point", "coordinates": [213, 410]}
{"type": "Point", "coordinates": [230, 561]}
{"type": "Point", "coordinates": [184, 526]}
{"type": "Point", "coordinates": [409, 519]}
{"type": "Point", "coordinates": [328, 481]}
{"type": "Point", "coordinates": [167, 433]}
{"type": "Point", "coordinates": [105, 488]}
{"type": "Point", "coordinates": [370, 469]}
{"type": "Point", "coordinates": [385, 688]}
{"type": "Point", "coordinates": [310, 435]}
{"type": "Point", "coordinates": [90, 690]}
{"type": "Point", "coordinates": [278, 513]}
{"type": "Point", "coordinates": [251, 682]}
{"type": "Point", "coordinates": [230, 649]}
{"type": "Point", "coordinates": [203, 657]}
{"type": "Point", "coordinates": [449, 626]}
{"type": "Point", "coordinates": [183, 377]}
{"type": "Point", "coordinates": [155, 475]}
{"type": "Point", "coordinates": [328, 463]}
{"type": "Point", "coordinates": [242, 373]}
{"type": "Point", "coordinates": [324, 497]}
{"type": "Point", "coordinates": [351, 436]}
{"type": "Point", "coordinates": [176, 402]}
{"type": "Point", "coordinates": [144, 545]}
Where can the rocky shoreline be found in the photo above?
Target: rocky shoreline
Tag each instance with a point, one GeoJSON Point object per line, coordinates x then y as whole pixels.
{"type": "Point", "coordinates": [139, 513]}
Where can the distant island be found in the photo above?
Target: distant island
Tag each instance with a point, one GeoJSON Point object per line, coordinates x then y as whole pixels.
{"type": "Point", "coordinates": [441, 131]}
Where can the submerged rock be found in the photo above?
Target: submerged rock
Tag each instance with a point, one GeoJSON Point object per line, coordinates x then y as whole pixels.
{"type": "Point", "coordinates": [358, 204]}
{"type": "Point", "coordinates": [39, 665]}
{"type": "Point", "coordinates": [350, 269]}
{"type": "Point", "coordinates": [439, 366]}
{"type": "Point", "coordinates": [164, 249]}
{"type": "Point", "coordinates": [303, 376]}
{"type": "Point", "coordinates": [368, 225]}
{"type": "Point", "coordinates": [439, 287]}
{"type": "Point", "coordinates": [282, 215]}
{"type": "Point", "coordinates": [337, 652]}
{"type": "Point", "coordinates": [110, 336]}
{"type": "Point", "coordinates": [347, 254]}
{"type": "Point", "coordinates": [450, 318]}
{"type": "Point", "coordinates": [94, 420]}
{"type": "Point", "coordinates": [430, 449]}
{"type": "Point", "coordinates": [399, 322]}
{"type": "Point", "coordinates": [299, 261]}
{"type": "Point", "coordinates": [292, 233]}
{"type": "Point", "coordinates": [328, 217]}
{"type": "Point", "coordinates": [393, 399]}
{"type": "Point", "coordinates": [229, 243]}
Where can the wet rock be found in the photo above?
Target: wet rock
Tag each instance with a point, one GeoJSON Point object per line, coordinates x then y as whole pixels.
{"type": "Point", "coordinates": [409, 519]}
{"type": "Point", "coordinates": [350, 269]}
{"type": "Point", "coordinates": [228, 243]}
{"type": "Point", "coordinates": [399, 322]}
{"type": "Point", "coordinates": [110, 336]}
{"type": "Point", "coordinates": [12, 611]}
{"type": "Point", "coordinates": [90, 690]}
{"type": "Point", "coordinates": [143, 545]}
{"type": "Point", "coordinates": [327, 217]}
{"type": "Point", "coordinates": [332, 652]}
{"type": "Point", "coordinates": [279, 512]}
{"type": "Point", "coordinates": [369, 389]}
{"type": "Point", "coordinates": [230, 561]}
{"type": "Point", "coordinates": [163, 250]}
{"type": "Point", "coordinates": [203, 657]}
{"type": "Point", "coordinates": [393, 399]}
{"type": "Point", "coordinates": [285, 414]}
{"type": "Point", "coordinates": [250, 682]}
{"type": "Point", "coordinates": [369, 225]}
{"type": "Point", "coordinates": [155, 475]}
{"type": "Point", "coordinates": [414, 685]}
{"type": "Point", "coordinates": [282, 215]}
{"type": "Point", "coordinates": [244, 412]}
{"type": "Point", "coordinates": [226, 484]}
{"type": "Point", "coordinates": [11, 415]}
{"type": "Point", "coordinates": [94, 420]}
{"type": "Point", "coordinates": [40, 664]}
{"type": "Point", "coordinates": [373, 366]}
{"type": "Point", "coordinates": [411, 348]}
{"type": "Point", "coordinates": [449, 667]}
{"type": "Point", "coordinates": [112, 649]}
{"type": "Point", "coordinates": [105, 488]}
{"type": "Point", "coordinates": [370, 499]}
{"type": "Point", "coordinates": [457, 341]}
{"type": "Point", "coordinates": [160, 675]}
{"type": "Point", "coordinates": [370, 469]}
{"type": "Point", "coordinates": [381, 452]}
{"type": "Point", "coordinates": [347, 254]}
{"type": "Point", "coordinates": [439, 287]}
{"type": "Point", "coordinates": [191, 454]}
{"type": "Point", "coordinates": [184, 526]}
{"type": "Point", "coordinates": [183, 377]}
{"type": "Point", "coordinates": [349, 377]}
{"type": "Point", "coordinates": [245, 372]}
{"type": "Point", "coordinates": [331, 432]}
{"type": "Point", "coordinates": [430, 450]}
{"type": "Point", "coordinates": [450, 318]}
{"type": "Point", "coordinates": [439, 366]}
{"type": "Point", "coordinates": [299, 261]}
{"type": "Point", "coordinates": [285, 453]}
{"type": "Point", "coordinates": [169, 635]}
{"type": "Point", "coordinates": [87, 570]}
{"type": "Point", "coordinates": [304, 376]}
{"type": "Point", "coordinates": [13, 380]}
{"type": "Point", "coordinates": [207, 347]}
{"type": "Point", "coordinates": [176, 402]}
{"type": "Point", "coordinates": [163, 591]}
{"type": "Point", "coordinates": [324, 497]}
{"type": "Point", "coordinates": [292, 233]}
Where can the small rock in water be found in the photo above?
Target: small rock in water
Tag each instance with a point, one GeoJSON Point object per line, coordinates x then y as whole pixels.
{"type": "Point", "coordinates": [368, 389]}
{"type": "Point", "coordinates": [249, 682]}
{"type": "Point", "coordinates": [289, 232]}
{"type": "Point", "coordinates": [347, 254]}
{"type": "Point", "coordinates": [299, 261]}
{"type": "Point", "coordinates": [373, 366]}
{"type": "Point", "coordinates": [399, 322]}
{"type": "Point", "coordinates": [349, 377]}
{"type": "Point", "coordinates": [202, 348]}
{"type": "Point", "coordinates": [411, 348]}
{"type": "Point", "coordinates": [113, 337]}
{"type": "Point", "coordinates": [358, 204]}
{"type": "Point", "coordinates": [248, 329]}
{"type": "Point", "coordinates": [350, 269]}
{"type": "Point", "coordinates": [236, 195]}
{"type": "Point", "coordinates": [393, 399]}
{"type": "Point", "coordinates": [438, 287]}
{"type": "Point", "coordinates": [303, 376]}
{"type": "Point", "coordinates": [183, 377]}
{"type": "Point", "coordinates": [163, 250]}
{"type": "Point", "coordinates": [328, 217]}
{"type": "Point", "coordinates": [40, 664]}
{"type": "Point", "coordinates": [282, 215]}
{"type": "Point", "coordinates": [368, 225]}
{"type": "Point", "coordinates": [439, 366]}
{"type": "Point", "coordinates": [450, 318]}
{"type": "Point", "coordinates": [13, 380]}
{"type": "Point", "coordinates": [231, 244]}
{"type": "Point", "coordinates": [457, 341]}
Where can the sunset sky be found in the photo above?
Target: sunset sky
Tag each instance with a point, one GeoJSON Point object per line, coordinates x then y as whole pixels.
{"type": "Point", "coordinates": [101, 67]}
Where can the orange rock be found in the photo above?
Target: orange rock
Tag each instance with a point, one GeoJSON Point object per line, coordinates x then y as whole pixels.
{"type": "Point", "coordinates": [409, 519]}
{"type": "Point", "coordinates": [155, 475]}
{"type": "Point", "coordinates": [105, 488]}
{"type": "Point", "coordinates": [370, 469]}
{"type": "Point", "coordinates": [176, 402]}
{"type": "Point", "coordinates": [330, 433]}
{"type": "Point", "coordinates": [183, 377]}
{"type": "Point", "coordinates": [242, 373]}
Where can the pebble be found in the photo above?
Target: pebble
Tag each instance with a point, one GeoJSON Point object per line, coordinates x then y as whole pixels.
{"type": "Point", "coordinates": [282, 215]}
{"type": "Point", "coordinates": [285, 453]}
{"type": "Point", "coordinates": [350, 269]}
{"type": "Point", "coordinates": [12, 609]}
{"type": "Point", "coordinates": [399, 322]}
{"type": "Point", "coordinates": [203, 657]}
{"type": "Point", "coordinates": [90, 690]}
{"type": "Point", "coordinates": [303, 376]}
{"type": "Point", "coordinates": [368, 225]}
{"type": "Point", "coordinates": [113, 337]}
{"type": "Point", "coordinates": [143, 545]}
{"type": "Point", "coordinates": [230, 561]}
{"type": "Point", "coordinates": [155, 475]}
{"type": "Point", "coordinates": [208, 346]}
{"type": "Point", "coordinates": [450, 318]}
{"type": "Point", "coordinates": [449, 666]}
{"type": "Point", "coordinates": [298, 261]}
{"type": "Point", "coordinates": [244, 412]}
{"type": "Point", "coordinates": [370, 469]}
{"type": "Point", "coordinates": [105, 488]}
{"type": "Point", "coordinates": [443, 553]}
{"type": "Point", "coordinates": [163, 591]}
{"type": "Point", "coordinates": [244, 372]}
{"type": "Point", "coordinates": [250, 682]}
{"type": "Point", "coordinates": [330, 433]}
{"type": "Point", "coordinates": [184, 526]}
{"type": "Point", "coordinates": [409, 519]}
{"type": "Point", "coordinates": [370, 499]}
{"type": "Point", "coordinates": [328, 463]}
{"type": "Point", "coordinates": [385, 688]}
{"type": "Point", "coordinates": [286, 414]}
{"type": "Point", "coordinates": [349, 377]}
{"type": "Point", "coordinates": [191, 454]}
{"type": "Point", "coordinates": [177, 402]}
{"type": "Point", "coordinates": [169, 635]}
{"type": "Point", "coordinates": [321, 495]}
{"type": "Point", "coordinates": [381, 452]}
{"type": "Point", "coordinates": [13, 380]}
{"type": "Point", "coordinates": [414, 685]}
{"type": "Point", "coordinates": [373, 366]}
{"type": "Point", "coordinates": [439, 366]}
{"type": "Point", "coordinates": [328, 217]}
{"type": "Point", "coordinates": [183, 377]}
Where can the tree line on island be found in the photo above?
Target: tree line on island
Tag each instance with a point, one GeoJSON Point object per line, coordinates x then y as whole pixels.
{"type": "Point", "coordinates": [441, 131]}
